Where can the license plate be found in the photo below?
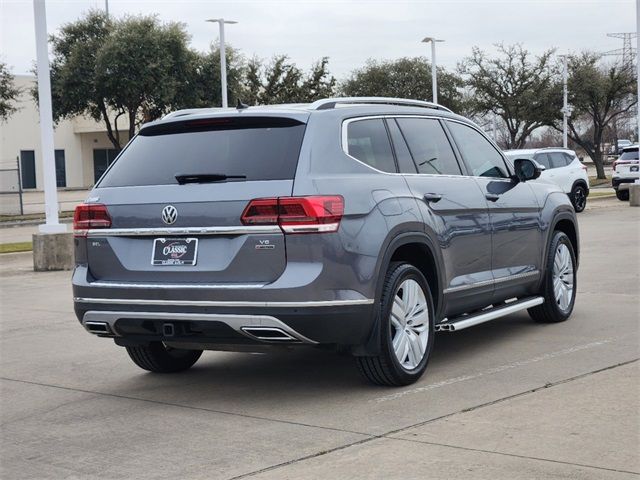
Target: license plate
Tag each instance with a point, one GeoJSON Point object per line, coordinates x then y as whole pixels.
{"type": "Point", "coordinates": [634, 168]}
{"type": "Point", "coordinates": [174, 251]}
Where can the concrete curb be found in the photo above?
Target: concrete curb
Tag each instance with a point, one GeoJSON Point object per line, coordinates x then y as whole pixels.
{"type": "Point", "coordinates": [26, 223]}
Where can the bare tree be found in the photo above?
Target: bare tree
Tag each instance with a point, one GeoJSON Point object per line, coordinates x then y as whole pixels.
{"type": "Point", "coordinates": [599, 94]}
{"type": "Point", "coordinates": [515, 86]}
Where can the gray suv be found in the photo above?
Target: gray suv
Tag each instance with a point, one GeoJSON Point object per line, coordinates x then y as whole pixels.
{"type": "Point", "coordinates": [359, 224]}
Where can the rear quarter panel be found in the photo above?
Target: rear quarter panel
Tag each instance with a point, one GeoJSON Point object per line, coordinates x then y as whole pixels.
{"type": "Point", "coordinates": [377, 207]}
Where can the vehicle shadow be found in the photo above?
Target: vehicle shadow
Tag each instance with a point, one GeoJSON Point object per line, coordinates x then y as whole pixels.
{"type": "Point", "coordinates": [303, 372]}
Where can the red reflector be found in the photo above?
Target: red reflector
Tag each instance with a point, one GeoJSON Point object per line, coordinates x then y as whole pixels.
{"type": "Point", "coordinates": [314, 214]}
{"type": "Point", "coordinates": [88, 216]}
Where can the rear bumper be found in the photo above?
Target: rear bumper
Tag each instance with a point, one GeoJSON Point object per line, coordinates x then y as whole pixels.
{"type": "Point", "coordinates": [622, 183]}
{"type": "Point", "coordinates": [344, 324]}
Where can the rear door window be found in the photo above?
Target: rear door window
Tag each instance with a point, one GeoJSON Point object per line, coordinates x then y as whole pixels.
{"type": "Point", "coordinates": [264, 148]}
{"type": "Point", "coordinates": [429, 146]}
{"type": "Point", "coordinates": [558, 159]}
{"type": "Point", "coordinates": [368, 141]}
{"type": "Point", "coordinates": [479, 154]}
{"type": "Point", "coordinates": [405, 162]}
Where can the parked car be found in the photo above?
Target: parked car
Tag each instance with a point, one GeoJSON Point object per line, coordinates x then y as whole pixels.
{"type": "Point", "coordinates": [359, 224]}
{"type": "Point", "coordinates": [561, 167]}
{"type": "Point", "coordinates": [625, 171]}
{"type": "Point", "coordinates": [619, 146]}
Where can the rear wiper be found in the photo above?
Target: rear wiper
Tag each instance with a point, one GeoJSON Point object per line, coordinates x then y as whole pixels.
{"type": "Point", "coordinates": [207, 178]}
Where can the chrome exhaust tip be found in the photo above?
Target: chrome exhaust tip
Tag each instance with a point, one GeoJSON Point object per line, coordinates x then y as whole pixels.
{"type": "Point", "coordinates": [98, 328]}
{"type": "Point", "coordinates": [269, 334]}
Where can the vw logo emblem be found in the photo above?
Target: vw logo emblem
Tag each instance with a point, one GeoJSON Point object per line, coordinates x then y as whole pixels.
{"type": "Point", "coordinates": [169, 214]}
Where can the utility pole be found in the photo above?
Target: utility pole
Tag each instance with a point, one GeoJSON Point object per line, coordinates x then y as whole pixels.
{"type": "Point", "coordinates": [52, 224]}
{"type": "Point", "coordinates": [626, 51]}
{"type": "Point", "coordinates": [434, 76]}
{"type": "Point", "coordinates": [223, 58]}
{"type": "Point", "coordinates": [106, 8]}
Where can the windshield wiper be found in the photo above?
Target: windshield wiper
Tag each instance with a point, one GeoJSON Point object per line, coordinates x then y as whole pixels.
{"type": "Point", "coordinates": [207, 178]}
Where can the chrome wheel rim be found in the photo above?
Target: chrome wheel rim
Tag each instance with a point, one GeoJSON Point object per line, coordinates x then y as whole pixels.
{"type": "Point", "coordinates": [563, 277]}
{"type": "Point", "coordinates": [410, 324]}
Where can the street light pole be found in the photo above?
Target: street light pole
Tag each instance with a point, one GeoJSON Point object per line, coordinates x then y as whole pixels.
{"type": "Point", "coordinates": [565, 105]}
{"type": "Point", "coordinates": [638, 62]}
{"type": "Point", "coordinates": [223, 58]}
{"type": "Point", "coordinates": [434, 77]}
{"type": "Point", "coordinates": [52, 224]}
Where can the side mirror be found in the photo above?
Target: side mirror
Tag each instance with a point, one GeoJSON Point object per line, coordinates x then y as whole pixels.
{"type": "Point", "coordinates": [527, 169]}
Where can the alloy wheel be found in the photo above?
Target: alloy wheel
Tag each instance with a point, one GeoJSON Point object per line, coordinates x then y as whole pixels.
{"type": "Point", "coordinates": [563, 277]}
{"type": "Point", "coordinates": [410, 324]}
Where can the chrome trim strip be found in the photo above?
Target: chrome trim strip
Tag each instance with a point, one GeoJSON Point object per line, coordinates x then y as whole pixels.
{"type": "Point", "coordinates": [214, 303]}
{"type": "Point", "coordinates": [510, 278]}
{"type": "Point", "coordinates": [453, 325]}
{"type": "Point", "coordinates": [179, 286]}
{"type": "Point", "coordinates": [344, 142]}
{"type": "Point", "coordinates": [320, 228]}
{"type": "Point", "coordinates": [237, 322]}
{"type": "Point", "coordinates": [158, 232]}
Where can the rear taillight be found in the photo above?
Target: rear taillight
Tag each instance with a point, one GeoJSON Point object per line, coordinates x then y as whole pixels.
{"type": "Point", "coordinates": [584, 167]}
{"type": "Point", "coordinates": [314, 214]}
{"type": "Point", "coordinates": [89, 216]}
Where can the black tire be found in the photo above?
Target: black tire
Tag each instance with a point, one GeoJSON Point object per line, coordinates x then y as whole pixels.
{"type": "Point", "coordinates": [158, 358]}
{"type": "Point", "coordinates": [551, 311]}
{"type": "Point", "coordinates": [622, 195]}
{"type": "Point", "coordinates": [579, 198]}
{"type": "Point", "coordinates": [385, 368]}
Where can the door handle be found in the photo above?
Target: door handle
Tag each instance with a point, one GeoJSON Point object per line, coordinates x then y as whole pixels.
{"type": "Point", "coordinates": [432, 197]}
{"type": "Point", "coordinates": [492, 197]}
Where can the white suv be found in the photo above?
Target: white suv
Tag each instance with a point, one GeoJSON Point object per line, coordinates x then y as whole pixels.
{"type": "Point", "coordinates": [563, 168]}
{"type": "Point", "coordinates": [625, 172]}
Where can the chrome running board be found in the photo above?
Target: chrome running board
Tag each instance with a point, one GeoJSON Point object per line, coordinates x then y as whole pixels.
{"type": "Point", "coordinates": [466, 321]}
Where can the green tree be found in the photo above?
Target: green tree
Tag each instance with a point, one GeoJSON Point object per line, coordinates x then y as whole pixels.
{"type": "Point", "coordinates": [8, 93]}
{"type": "Point", "coordinates": [281, 81]}
{"type": "Point", "coordinates": [599, 94]}
{"type": "Point", "coordinates": [203, 89]}
{"type": "Point", "coordinates": [516, 87]}
{"type": "Point", "coordinates": [404, 78]}
{"type": "Point", "coordinates": [136, 68]}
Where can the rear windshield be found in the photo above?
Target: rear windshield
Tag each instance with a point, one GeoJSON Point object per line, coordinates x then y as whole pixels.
{"type": "Point", "coordinates": [257, 148]}
{"type": "Point", "coordinates": [632, 155]}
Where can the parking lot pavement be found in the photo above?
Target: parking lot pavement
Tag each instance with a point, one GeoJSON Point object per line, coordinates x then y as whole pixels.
{"type": "Point", "coordinates": [507, 399]}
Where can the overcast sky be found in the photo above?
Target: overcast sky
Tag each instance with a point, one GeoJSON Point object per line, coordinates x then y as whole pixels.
{"type": "Point", "coordinates": [350, 32]}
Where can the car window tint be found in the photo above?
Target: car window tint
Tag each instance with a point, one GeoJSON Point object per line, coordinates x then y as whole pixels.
{"type": "Point", "coordinates": [368, 141]}
{"type": "Point", "coordinates": [405, 162]}
{"type": "Point", "coordinates": [257, 148]}
{"type": "Point", "coordinates": [557, 160]}
{"type": "Point", "coordinates": [481, 157]}
{"type": "Point", "coordinates": [429, 146]}
{"type": "Point", "coordinates": [629, 155]}
{"type": "Point", "coordinates": [543, 159]}
{"type": "Point", "coordinates": [570, 158]}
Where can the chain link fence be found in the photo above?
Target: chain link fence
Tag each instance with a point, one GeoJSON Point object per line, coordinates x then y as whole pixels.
{"type": "Point", "coordinates": [10, 188]}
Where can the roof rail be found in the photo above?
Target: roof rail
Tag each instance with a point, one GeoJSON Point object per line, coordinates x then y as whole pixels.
{"type": "Point", "coordinates": [329, 103]}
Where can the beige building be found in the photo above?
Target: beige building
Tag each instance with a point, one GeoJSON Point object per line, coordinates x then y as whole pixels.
{"type": "Point", "coordinates": [82, 149]}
